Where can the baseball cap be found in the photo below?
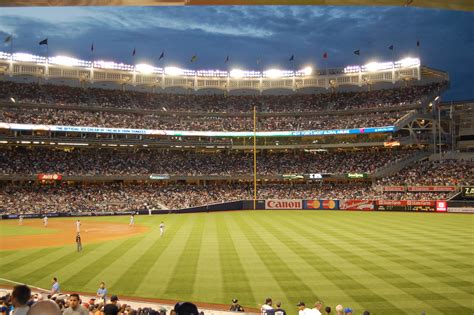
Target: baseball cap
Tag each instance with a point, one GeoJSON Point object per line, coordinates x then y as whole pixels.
{"type": "Point", "coordinates": [186, 308]}
{"type": "Point", "coordinates": [234, 300]}
{"type": "Point", "coordinates": [300, 304]}
{"type": "Point", "coordinates": [114, 298]}
{"type": "Point", "coordinates": [347, 310]}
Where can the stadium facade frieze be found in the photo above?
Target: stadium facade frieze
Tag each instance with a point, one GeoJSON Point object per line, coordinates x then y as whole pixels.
{"type": "Point", "coordinates": [90, 72]}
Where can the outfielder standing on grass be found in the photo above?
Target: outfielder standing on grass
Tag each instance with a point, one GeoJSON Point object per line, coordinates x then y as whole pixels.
{"type": "Point", "coordinates": [78, 242]}
{"type": "Point", "coordinates": [132, 220]}
{"type": "Point", "coordinates": [162, 228]}
{"type": "Point", "coordinates": [45, 221]}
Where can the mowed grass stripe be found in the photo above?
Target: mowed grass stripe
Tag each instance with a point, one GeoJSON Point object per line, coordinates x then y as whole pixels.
{"type": "Point", "coordinates": [183, 276]}
{"type": "Point", "coordinates": [173, 242]}
{"type": "Point", "coordinates": [140, 264]}
{"type": "Point", "coordinates": [316, 267]}
{"type": "Point", "coordinates": [29, 257]}
{"type": "Point", "coordinates": [209, 284]}
{"type": "Point", "coordinates": [43, 275]}
{"type": "Point", "coordinates": [370, 262]}
{"type": "Point", "coordinates": [368, 295]}
{"type": "Point", "coordinates": [291, 284]}
{"type": "Point", "coordinates": [236, 282]}
{"type": "Point", "coordinates": [417, 259]}
{"type": "Point", "coordinates": [262, 281]}
{"type": "Point", "coordinates": [79, 277]}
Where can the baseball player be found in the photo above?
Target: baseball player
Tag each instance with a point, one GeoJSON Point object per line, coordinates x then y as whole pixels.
{"type": "Point", "coordinates": [45, 221]}
{"type": "Point", "coordinates": [132, 220]}
{"type": "Point", "coordinates": [20, 220]}
{"type": "Point", "coordinates": [78, 242]}
{"type": "Point", "coordinates": [162, 228]}
{"type": "Point", "coordinates": [78, 226]}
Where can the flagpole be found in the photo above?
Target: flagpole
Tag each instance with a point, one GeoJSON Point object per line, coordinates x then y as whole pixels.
{"type": "Point", "coordinates": [255, 158]}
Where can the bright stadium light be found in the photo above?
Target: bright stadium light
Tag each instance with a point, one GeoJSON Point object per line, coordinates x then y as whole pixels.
{"type": "Point", "coordinates": [12, 99]}
{"type": "Point", "coordinates": [173, 71]}
{"type": "Point", "coordinates": [68, 61]}
{"type": "Point", "coordinates": [28, 58]}
{"type": "Point", "coordinates": [307, 70]}
{"type": "Point", "coordinates": [273, 73]}
{"type": "Point", "coordinates": [408, 62]}
{"type": "Point", "coordinates": [236, 73]}
{"type": "Point", "coordinates": [144, 68]}
{"type": "Point", "coordinates": [377, 66]}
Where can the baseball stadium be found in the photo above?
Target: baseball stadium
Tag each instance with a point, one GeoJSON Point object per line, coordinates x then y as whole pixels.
{"type": "Point", "coordinates": [309, 190]}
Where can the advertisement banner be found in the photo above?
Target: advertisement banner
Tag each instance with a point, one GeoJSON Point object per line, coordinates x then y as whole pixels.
{"type": "Point", "coordinates": [322, 204]}
{"type": "Point", "coordinates": [283, 204]}
{"type": "Point", "coordinates": [159, 176]}
{"type": "Point", "coordinates": [352, 204]}
{"type": "Point", "coordinates": [394, 188]}
{"type": "Point", "coordinates": [468, 192]}
{"type": "Point", "coordinates": [441, 206]}
{"type": "Point", "coordinates": [357, 175]}
{"type": "Point", "coordinates": [50, 177]}
{"type": "Point", "coordinates": [405, 205]}
{"type": "Point", "coordinates": [431, 188]}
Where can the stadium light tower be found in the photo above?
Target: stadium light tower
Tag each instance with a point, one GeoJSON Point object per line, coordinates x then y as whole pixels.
{"type": "Point", "coordinates": [173, 71]}
{"type": "Point", "coordinates": [273, 73]}
{"type": "Point", "coordinates": [144, 68]}
{"type": "Point", "coordinates": [236, 73]}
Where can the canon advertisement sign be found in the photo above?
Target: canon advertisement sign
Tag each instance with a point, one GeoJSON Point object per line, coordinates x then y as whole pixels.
{"type": "Point", "coordinates": [284, 204]}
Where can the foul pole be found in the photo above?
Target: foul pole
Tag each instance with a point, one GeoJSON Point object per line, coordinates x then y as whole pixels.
{"type": "Point", "coordinates": [254, 158]}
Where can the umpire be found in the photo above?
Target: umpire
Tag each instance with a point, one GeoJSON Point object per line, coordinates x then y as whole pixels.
{"type": "Point", "coordinates": [78, 242]}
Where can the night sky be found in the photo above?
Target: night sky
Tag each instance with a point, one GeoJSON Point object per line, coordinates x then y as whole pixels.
{"type": "Point", "coordinates": [248, 33]}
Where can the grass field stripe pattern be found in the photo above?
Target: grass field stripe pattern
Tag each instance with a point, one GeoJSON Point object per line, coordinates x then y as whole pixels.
{"type": "Point", "coordinates": [276, 262]}
{"type": "Point", "coordinates": [209, 269]}
{"type": "Point", "coordinates": [320, 270]}
{"type": "Point", "coordinates": [323, 263]}
{"type": "Point", "coordinates": [168, 246]}
{"type": "Point", "coordinates": [262, 281]}
{"type": "Point", "coordinates": [414, 255]}
{"type": "Point", "coordinates": [341, 262]}
{"type": "Point", "coordinates": [370, 262]}
{"type": "Point", "coordinates": [185, 268]}
{"type": "Point", "coordinates": [152, 249]}
{"type": "Point", "coordinates": [233, 282]}
{"type": "Point", "coordinates": [95, 265]}
{"type": "Point", "coordinates": [388, 263]}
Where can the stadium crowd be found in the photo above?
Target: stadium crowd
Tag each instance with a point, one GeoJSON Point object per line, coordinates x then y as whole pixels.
{"type": "Point", "coordinates": [23, 301]}
{"type": "Point", "coordinates": [22, 160]}
{"type": "Point", "coordinates": [60, 94]}
{"type": "Point", "coordinates": [444, 172]}
{"type": "Point", "coordinates": [196, 123]}
{"type": "Point", "coordinates": [117, 197]}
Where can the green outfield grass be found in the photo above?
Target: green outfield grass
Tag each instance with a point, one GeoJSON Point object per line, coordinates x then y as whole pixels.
{"type": "Point", "coordinates": [388, 263]}
{"type": "Point", "coordinates": [10, 230]}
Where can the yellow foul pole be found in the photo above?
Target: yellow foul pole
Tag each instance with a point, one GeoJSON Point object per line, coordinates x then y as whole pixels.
{"type": "Point", "coordinates": [254, 157]}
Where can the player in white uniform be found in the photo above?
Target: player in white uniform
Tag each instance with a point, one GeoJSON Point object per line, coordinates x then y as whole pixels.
{"type": "Point", "coordinates": [162, 228]}
{"type": "Point", "coordinates": [132, 220]}
{"type": "Point", "coordinates": [78, 226]}
{"type": "Point", "coordinates": [20, 218]}
{"type": "Point", "coordinates": [45, 221]}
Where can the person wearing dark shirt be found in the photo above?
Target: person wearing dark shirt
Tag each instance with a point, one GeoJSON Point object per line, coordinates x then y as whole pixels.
{"type": "Point", "coordinates": [111, 308]}
{"type": "Point", "coordinates": [279, 310]}
{"type": "Point", "coordinates": [236, 307]}
{"type": "Point", "coordinates": [79, 242]}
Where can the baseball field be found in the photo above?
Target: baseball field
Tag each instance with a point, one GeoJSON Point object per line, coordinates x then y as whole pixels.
{"type": "Point", "coordinates": [388, 263]}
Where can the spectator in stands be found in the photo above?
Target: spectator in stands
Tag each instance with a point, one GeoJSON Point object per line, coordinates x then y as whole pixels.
{"type": "Point", "coordinates": [267, 308]}
{"type": "Point", "coordinates": [318, 306]}
{"type": "Point", "coordinates": [348, 311]}
{"type": "Point", "coordinates": [111, 308]}
{"type": "Point", "coordinates": [55, 288]}
{"type": "Point", "coordinates": [327, 309]}
{"type": "Point", "coordinates": [102, 293]}
{"type": "Point", "coordinates": [339, 309]}
{"type": "Point", "coordinates": [279, 310]}
{"type": "Point", "coordinates": [20, 296]}
{"type": "Point", "coordinates": [46, 307]}
{"type": "Point", "coordinates": [236, 307]}
{"type": "Point", "coordinates": [75, 307]}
